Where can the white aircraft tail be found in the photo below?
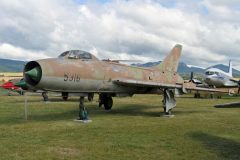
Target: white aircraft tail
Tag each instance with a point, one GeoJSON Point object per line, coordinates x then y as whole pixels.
{"type": "Point", "coordinates": [230, 68]}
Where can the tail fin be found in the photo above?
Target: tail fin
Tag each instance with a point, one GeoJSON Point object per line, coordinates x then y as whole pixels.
{"type": "Point", "coordinates": [170, 63]}
{"type": "Point", "coordinates": [230, 68]}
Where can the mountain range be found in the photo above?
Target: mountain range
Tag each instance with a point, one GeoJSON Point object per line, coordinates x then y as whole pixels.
{"type": "Point", "coordinates": [7, 65]}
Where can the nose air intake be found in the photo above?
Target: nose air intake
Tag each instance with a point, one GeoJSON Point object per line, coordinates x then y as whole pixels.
{"type": "Point", "coordinates": [32, 73]}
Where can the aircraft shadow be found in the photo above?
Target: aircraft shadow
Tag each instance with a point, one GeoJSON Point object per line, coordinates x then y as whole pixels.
{"type": "Point", "coordinates": [95, 111]}
{"type": "Point", "coordinates": [139, 110]}
{"type": "Point", "coordinates": [228, 105]}
{"type": "Point", "coordinates": [127, 109]}
{"type": "Point", "coordinates": [190, 112]}
{"type": "Point", "coordinates": [223, 147]}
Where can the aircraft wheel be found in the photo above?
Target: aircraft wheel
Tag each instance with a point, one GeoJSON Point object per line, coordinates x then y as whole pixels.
{"type": "Point", "coordinates": [108, 102]}
{"type": "Point", "coordinates": [211, 96]}
{"type": "Point", "coordinates": [45, 96]}
{"type": "Point", "coordinates": [197, 95]}
{"type": "Point", "coordinates": [90, 97]}
{"type": "Point", "coordinates": [101, 100]}
{"type": "Point", "coordinates": [65, 96]}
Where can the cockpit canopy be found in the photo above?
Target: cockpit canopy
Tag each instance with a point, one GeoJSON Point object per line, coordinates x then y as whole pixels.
{"type": "Point", "coordinates": [77, 54]}
{"type": "Point", "coordinates": [209, 73]}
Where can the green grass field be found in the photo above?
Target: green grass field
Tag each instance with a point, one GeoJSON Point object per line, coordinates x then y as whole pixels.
{"type": "Point", "coordinates": [133, 129]}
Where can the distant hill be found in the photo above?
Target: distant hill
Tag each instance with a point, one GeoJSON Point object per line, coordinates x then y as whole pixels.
{"type": "Point", "coordinates": [7, 65]}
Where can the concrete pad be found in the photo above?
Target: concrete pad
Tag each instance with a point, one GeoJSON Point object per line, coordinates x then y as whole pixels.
{"type": "Point", "coordinates": [167, 116]}
{"type": "Point", "coordinates": [82, 121]}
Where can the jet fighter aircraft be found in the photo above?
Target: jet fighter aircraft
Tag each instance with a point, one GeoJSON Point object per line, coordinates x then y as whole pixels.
{"type": "Point", "coordinates": [77, 71]}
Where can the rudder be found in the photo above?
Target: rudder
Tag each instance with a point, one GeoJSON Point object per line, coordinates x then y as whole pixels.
{"type": "Point", "coordinates": [170, 63]}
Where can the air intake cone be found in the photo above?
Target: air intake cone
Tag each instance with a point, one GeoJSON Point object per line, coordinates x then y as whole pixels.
{"type": "Point", "coordinates": [34, 73]}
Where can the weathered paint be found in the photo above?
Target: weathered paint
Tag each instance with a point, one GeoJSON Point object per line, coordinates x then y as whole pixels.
{"type": "Point", "coordinates": [93, 75]}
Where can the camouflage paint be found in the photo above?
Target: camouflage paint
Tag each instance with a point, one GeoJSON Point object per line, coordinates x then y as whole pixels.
{"type": "Point", "coordinates": [76, 75]}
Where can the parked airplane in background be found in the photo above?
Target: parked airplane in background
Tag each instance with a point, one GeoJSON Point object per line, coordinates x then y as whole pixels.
{"type": "Point", "coordinates": [11, 87]}
{"type": "Point", "coordinates": [215, 77]}
{"type": "Point", "coordinates": [19, 85]}
{"type": "Point", "coordinates": [80, 72]}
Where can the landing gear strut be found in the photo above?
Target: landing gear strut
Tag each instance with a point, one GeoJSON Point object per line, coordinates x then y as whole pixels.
{"type": "Point", "coordinates": [106, 100]}
{"type": "Point", "coordinates": [45, 96]}
{"type": "Point", "coordinates": [169, 101]}
{"type": "Point", "coordinates": [83, 115]}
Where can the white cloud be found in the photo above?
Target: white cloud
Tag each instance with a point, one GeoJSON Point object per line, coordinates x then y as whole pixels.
{"type": "Point", "coordinates": [209, 30]}
{"type": "Point", "coordinates": [12, 52]}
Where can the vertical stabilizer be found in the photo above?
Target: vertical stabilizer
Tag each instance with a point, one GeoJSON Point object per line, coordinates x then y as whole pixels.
{"type": "Point", "coordinates": [170, 63]}
{"type": "Point", "coordinates": [230, 68]}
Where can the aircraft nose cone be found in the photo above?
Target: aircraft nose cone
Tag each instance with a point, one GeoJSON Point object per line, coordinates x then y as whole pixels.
{"type": "Point", "coordinates": [34, 73]}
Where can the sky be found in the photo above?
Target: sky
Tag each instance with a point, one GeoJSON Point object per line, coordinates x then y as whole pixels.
{"type": "Point", "coordinates": [146, 30]}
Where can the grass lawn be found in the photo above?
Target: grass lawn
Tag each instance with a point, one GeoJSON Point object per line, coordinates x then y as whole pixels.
{"type": "Point", "coordinates": [133, 130]}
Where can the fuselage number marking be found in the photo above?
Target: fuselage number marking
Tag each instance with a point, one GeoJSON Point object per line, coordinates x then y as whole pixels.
{"type": "Point", "coordinates": [71, 77]}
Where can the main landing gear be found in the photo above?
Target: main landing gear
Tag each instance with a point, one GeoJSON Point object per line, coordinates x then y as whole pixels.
{"type": "Point", "coordinates": [197, 95]}
{"type": "Point", "coordinates": [45, 96]}
{"type": "Point", "coordinates": [169, 101]}
{"type": "Point", "coordinates": [106, 101]}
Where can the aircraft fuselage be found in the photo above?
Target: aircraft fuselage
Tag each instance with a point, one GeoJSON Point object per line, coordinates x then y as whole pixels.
{"type": "Point", "coordinates": [73, 75]}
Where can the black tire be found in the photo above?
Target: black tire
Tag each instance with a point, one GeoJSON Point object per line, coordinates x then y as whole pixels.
{"type": "Point", "coordinates": [108, 102]}
{"type": "Point", "coordinates": [101, 100]}
{"type": "Point", "coordinates": [90, 97]}
{"type": "Point", "coordinates": [45, 96]}
{"type": "Point", "coordinates": [65, 96]}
